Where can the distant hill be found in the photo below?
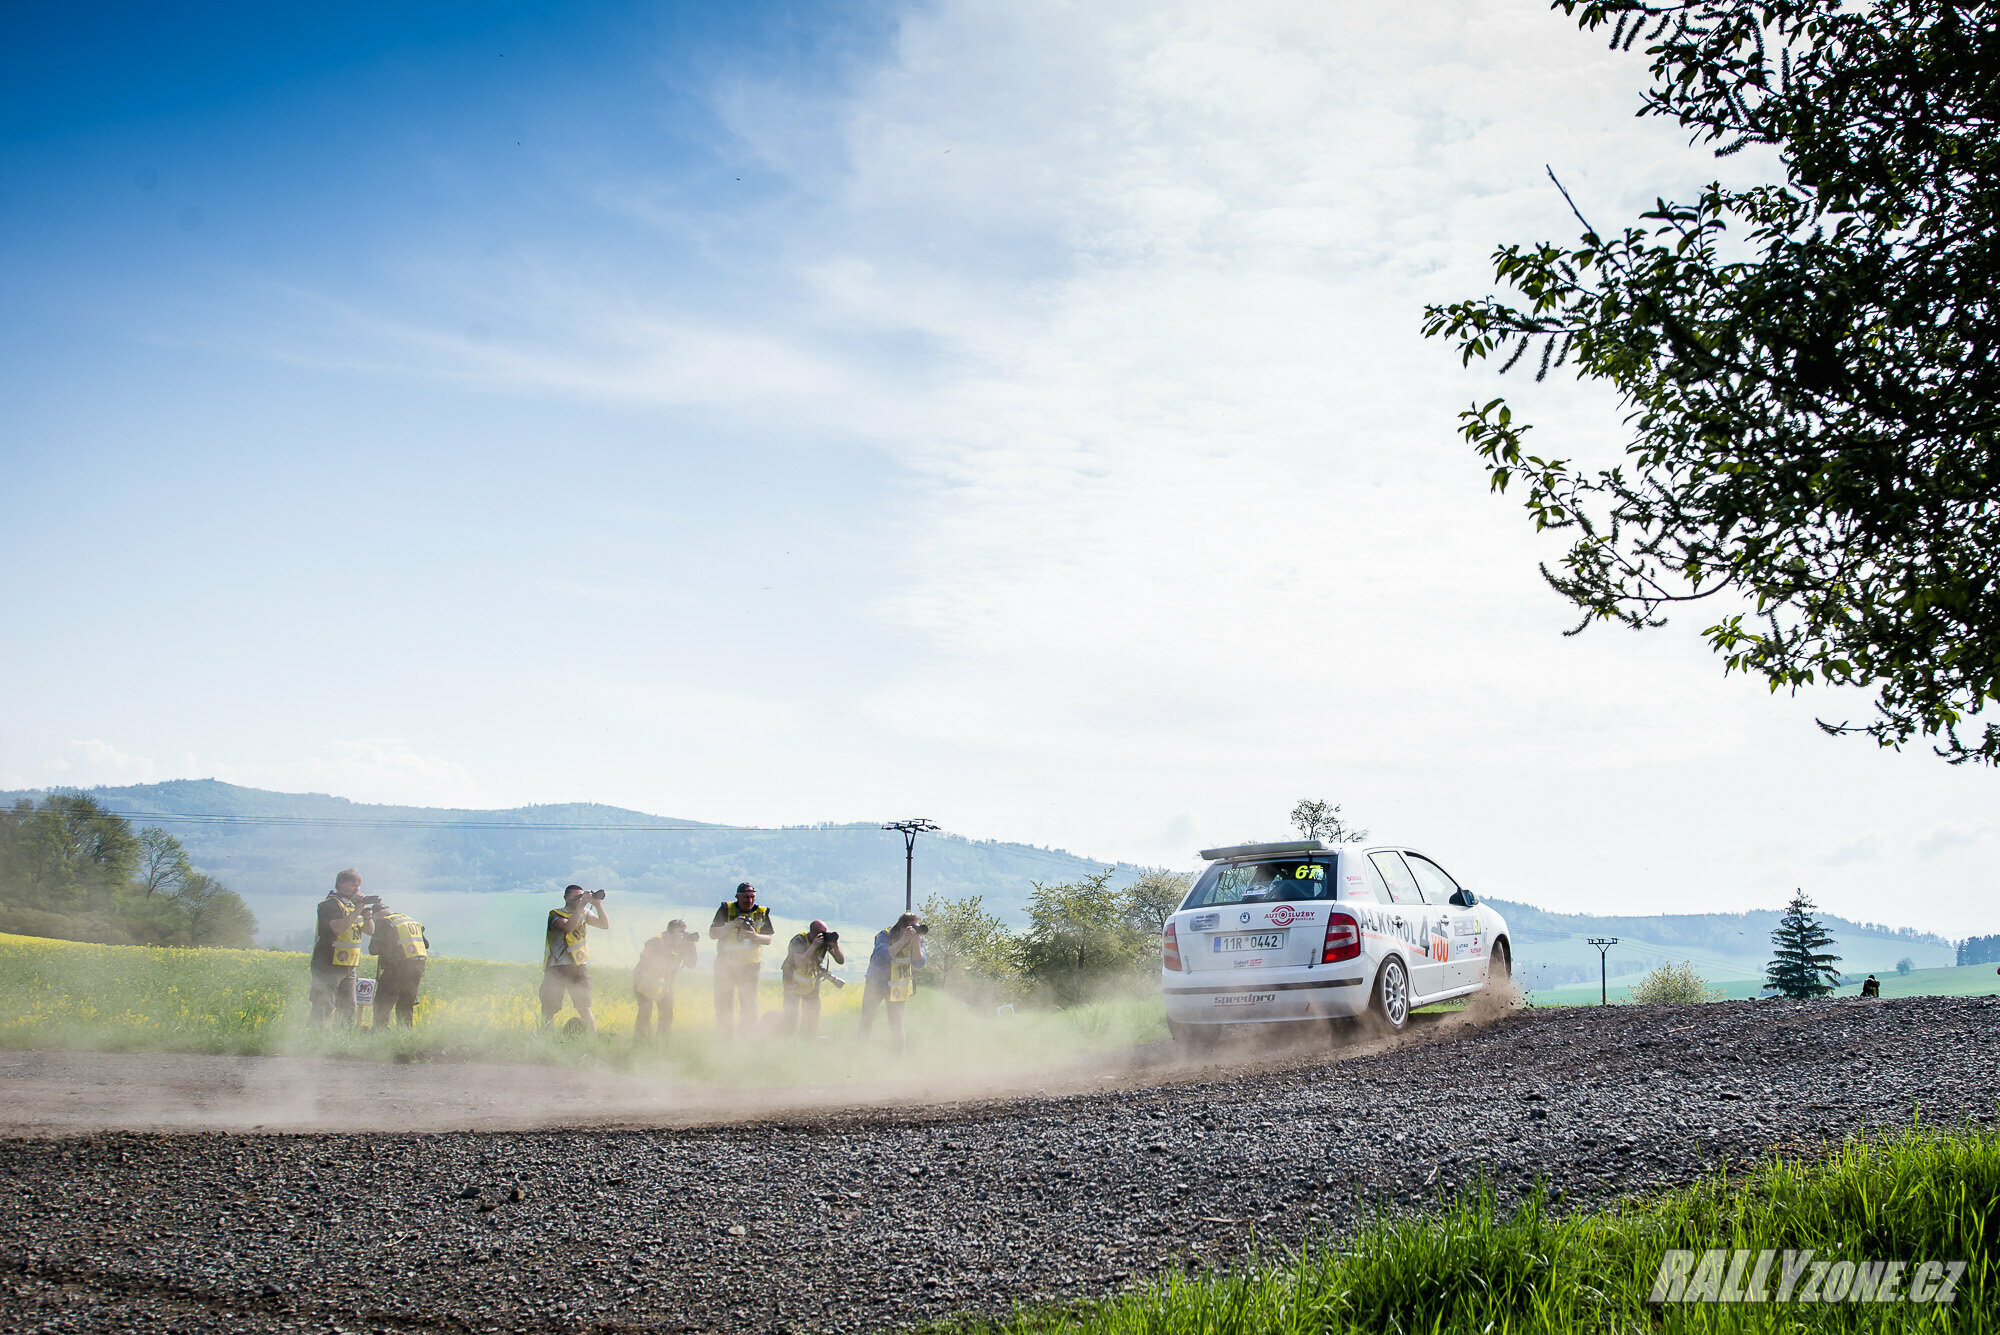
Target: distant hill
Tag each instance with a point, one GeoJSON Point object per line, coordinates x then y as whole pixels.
{"type": "Point", "coordinates": [1552, 951]}
{"type": "Point", "coordinates": [482, 879]}
{"type": "Point", "coordinates": [283, 853]}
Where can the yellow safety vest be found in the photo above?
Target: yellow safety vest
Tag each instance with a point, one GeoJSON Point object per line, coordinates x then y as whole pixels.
{"type": "Point", "coordinates": [902, 976]}
{"type": "Point", "coordinates": [577, 951]}
{"type": "Point", "coordinates": [409, 942]}
{"type": "Point", "coordinates": [347, 941]}
{"type": "Point", "coordinates": [803, 978]}
{"type": "Point", "coordinates": [732, 949]}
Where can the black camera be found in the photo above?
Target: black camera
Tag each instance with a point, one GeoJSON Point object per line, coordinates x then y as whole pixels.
{"type": "Point", "coordinates": [829, 938]}
{"type": "Point", "coordinates": [370, 901]}
{"type": "Point", "coordinates": [593, 894]}
{"type": "Point", "coordinates": [921, 928]}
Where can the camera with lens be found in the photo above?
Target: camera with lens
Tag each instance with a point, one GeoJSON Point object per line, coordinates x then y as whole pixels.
{"type": "Point", "coordinates": [921, 928]}
{"type": "Point", "coordinates": [829, 938]}
{"type": "Point", "coordinates": [593, 894]}
{"type": "Point", "coordinates": [370, 901]}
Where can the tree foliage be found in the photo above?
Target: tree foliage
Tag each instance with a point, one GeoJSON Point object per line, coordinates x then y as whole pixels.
{"type": "Point", "coordinates": [1322, 820]}
{"type": "Point", "coordinates": [1802, 966]}
{"type": "Point", "coordinates": [1079, 937]}
{"type": "Point", "coordinates": [1811, 368]}
{"type": "Point", "coordinates": [968, 949]}
{"type": "Point", "coordinates": [1148, 902]}
{"type": "Point", "coordinates": [163, 863]}
{"type": "Point", "coordinates": [1674, 984]}
{"type": "Point", "coordinates": [69, 868]}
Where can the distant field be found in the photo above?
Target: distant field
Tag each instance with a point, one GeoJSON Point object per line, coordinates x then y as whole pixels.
{"type": "Point", "coordinates": [66, 994]}
{"type": "Point", "coordinates": [1972, 980]}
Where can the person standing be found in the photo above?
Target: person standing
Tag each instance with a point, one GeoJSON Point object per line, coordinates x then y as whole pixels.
{"type": "Point", "coordinates": [805, 966]}
{"type": "Point", "coordinates": [660, 961]}
{"type": "Point", "coordinates": [741, 928]}
{"type": "Point", "coordinates": [899, 953]}
{"type": "Point", "coordinates": [566, 954]}
{"type": "Point", "coordinates": [400, 947]}
{"type": "Point", "coordinates": [343, 917]}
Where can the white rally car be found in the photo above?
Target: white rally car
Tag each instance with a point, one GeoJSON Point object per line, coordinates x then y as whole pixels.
{"type": "Point", "coordinates": [1308, 931]}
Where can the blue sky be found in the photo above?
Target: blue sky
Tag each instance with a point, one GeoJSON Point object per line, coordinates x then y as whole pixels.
{"type": "Point", "coordinates": [1008, 413]}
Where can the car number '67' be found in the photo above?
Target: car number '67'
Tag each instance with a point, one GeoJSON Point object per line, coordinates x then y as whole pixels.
{"type": "Point", "coordinates": [1235, 941]}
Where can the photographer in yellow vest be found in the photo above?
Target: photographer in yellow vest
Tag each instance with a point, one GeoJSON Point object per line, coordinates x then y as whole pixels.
{"type": "Point", "coordinates": [343, 916]}
{"type": "Point", "coordinates": [892, 977]}
{"type": "Point", "coordinates": [400, 947]}
{"type": "Point", "coordinates": [740, 929]}
{"type": "Point", "coordinates": [566, 953]}
{"type": "Point", "coordinates": [803, 970]}
{"type": "Point", "coordinates": [660, 961]}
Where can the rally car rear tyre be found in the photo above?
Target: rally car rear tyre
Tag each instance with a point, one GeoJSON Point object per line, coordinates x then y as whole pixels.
{"type": "Point", "coordinates": [1389, 1007]}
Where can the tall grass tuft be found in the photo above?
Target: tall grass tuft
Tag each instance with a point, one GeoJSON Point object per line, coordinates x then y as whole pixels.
{"type": "Point", "coordinates": [1478, 1268]}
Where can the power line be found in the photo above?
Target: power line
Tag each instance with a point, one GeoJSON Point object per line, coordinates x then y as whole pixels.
{"type": "Point", "coordinates": [401, 823]}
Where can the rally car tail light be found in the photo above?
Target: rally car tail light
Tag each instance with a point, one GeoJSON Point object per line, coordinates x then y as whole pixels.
{"type": "Point", "coordinates": [1171, 950]}
{"type": "Point", "coordinates": [1343, 939]}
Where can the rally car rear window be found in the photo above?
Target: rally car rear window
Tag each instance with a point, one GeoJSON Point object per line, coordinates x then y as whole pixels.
{"type": "Point", "coordinates": [1259, 882]}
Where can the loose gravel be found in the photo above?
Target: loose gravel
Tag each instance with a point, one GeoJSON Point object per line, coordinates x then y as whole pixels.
{"type": "Point", "coordinates": [850, 1221]}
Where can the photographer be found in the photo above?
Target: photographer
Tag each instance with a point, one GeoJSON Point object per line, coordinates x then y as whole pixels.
{"type": "Point", "coordinates": [400, 947]}
{"type": "Point", "coordinates": [805, 966]}
{"type": "Point", "coordinates": [899, 953]}
{"type": "Point", "coordinates": [343, 916]}
{"type": "Point", "coordinates": [741, 928]}
{"type": "Point", "coordinates": [660, 960]}
{"type": "Point", "coordinates": [566, 953]}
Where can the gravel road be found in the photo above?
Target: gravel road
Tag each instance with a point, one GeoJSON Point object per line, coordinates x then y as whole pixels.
{"type": "Point", "coordinates": [853, 1220]}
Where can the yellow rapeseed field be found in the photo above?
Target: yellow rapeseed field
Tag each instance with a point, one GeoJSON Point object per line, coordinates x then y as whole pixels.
{"type": "Point", "coordinates": [67, 994]}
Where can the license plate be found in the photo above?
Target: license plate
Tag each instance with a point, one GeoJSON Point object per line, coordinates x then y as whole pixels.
{"type": "Point", "coordinates": [1235, 941]}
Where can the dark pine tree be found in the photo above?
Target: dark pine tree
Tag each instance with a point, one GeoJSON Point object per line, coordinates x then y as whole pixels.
{"type": "Point", "coordinates": [1802, 967]}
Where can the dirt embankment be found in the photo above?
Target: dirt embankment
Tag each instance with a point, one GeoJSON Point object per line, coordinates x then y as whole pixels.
{"type": "Point", "coordinates": [852, 1219]}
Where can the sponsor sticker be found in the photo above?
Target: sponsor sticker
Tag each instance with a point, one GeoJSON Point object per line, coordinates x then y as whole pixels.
{"type": "Point", "coordinates": [1245, 998]}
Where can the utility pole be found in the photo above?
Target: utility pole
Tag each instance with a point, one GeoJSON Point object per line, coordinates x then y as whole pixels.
{"type": "Point", "coordinates": [1603, 944]}
{"type": "Point", "coordinates": [910, 829]}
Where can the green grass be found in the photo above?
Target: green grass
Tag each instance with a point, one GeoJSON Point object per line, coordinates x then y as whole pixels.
{"type": "Point", "coordinates": [1481, 1269]}
{"type": "Point", "coordinates": [65, 994]}
{"type": "Point", "coordinates": [1972, 980]}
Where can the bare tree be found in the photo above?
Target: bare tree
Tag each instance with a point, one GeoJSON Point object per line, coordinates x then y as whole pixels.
{"type": "Point", "coordinates": [1321, 820]}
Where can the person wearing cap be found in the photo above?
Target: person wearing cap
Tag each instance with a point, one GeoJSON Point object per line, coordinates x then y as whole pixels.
{"type": "Point", "coordinates": [660, 961]}
{"type": "Point", "coordinates": [740, 929]}
{"type": "Point", "coordinates": [805, 966]}
{"type": "Point", "coordinates": [343, 917]}
{"type": "Point", "coordinates": [566, 955]}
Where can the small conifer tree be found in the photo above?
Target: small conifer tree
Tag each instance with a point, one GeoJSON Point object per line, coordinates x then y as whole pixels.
{"type": "Point", "coordinates": [1802, 967]}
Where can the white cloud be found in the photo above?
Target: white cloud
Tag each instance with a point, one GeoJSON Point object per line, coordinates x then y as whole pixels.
{"type": "Point", "coordinates": [1946, 836]}
{"type": "Point", "coordinates": [1133, 292]}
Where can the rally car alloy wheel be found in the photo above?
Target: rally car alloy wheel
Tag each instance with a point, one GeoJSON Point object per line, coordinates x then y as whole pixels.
{"type": "Point", "coordinates": [1392, 995]}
